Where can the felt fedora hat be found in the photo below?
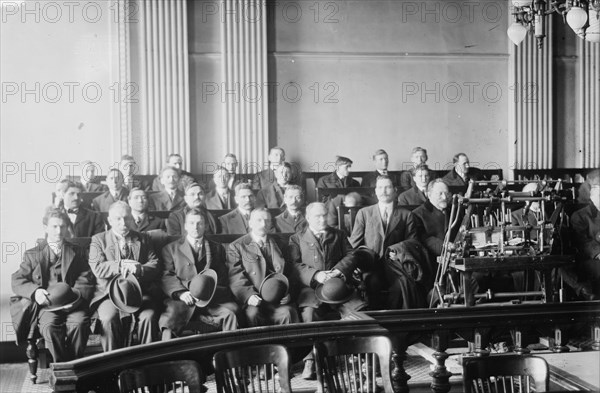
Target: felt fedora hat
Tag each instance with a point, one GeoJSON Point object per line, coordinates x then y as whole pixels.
{"type": "Point", "coordinates": [274, 288]}
{"type": "Point", "coordinates": [126, 293]}
{"type": "Point", "coordinates": [62, 297]}
{"type": "Point", "coordinates": [203, 287]}
{"type": "Point", "coordinates": [333, 291]}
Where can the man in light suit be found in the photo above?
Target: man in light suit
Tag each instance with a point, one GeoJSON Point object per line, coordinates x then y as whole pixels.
{"type": "Point", "coordinates": [340, 178]}
{"type": "Point", "coordinates": [221, 197]}
{"type": "Point", "coordinates": [267, 176]}
{"type": "Point", "coordinates": [82, 222]}
{"type": "Point", "coordinates": [54, 261]}
{"type": "Point", "coordinates": [116, 192]}
{"type": "Point", "coordinates": [183, 260]}
{"type": "Point", "coordinates": [292, 219]}
{"type": "Point", "coordinates": [171, 198]}
{"type": "Point", "coordinates": [271, 196]}
{"type": "Point", "coordinates": [377, 227]}
{"type": "Point", "coordinates": [250, 259]}
{"type": "Point", "coordinates": [142, 220]}
{"type": "Point", "coordinates": [381, 161]}
{"type": "Point", "coordinates": [123, 251]}
{"type": "Point", "coordinates": [174, 160]}
{"type": "Point", "coordinates": [417, 195]}
{"type": "Point", "coordinates": [237, 220]}
{"type": "Point", "coordinates": [194, 199]}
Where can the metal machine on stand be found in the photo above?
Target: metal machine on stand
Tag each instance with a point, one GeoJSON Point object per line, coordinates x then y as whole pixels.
{"type": "Point", "coordinates": [482, 239]}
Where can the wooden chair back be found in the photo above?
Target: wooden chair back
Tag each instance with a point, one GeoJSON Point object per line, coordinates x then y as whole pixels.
{"type": "Point", "coordinates": [173, 376]}
{"type": "Point", "coordinates": [505, 373]}
{"type": "Point", "coordinates": [343, 213]}
{"type": "Point", "coordinates": [350, 364]}
{"type": "Point", "coordinates": [240, 370]}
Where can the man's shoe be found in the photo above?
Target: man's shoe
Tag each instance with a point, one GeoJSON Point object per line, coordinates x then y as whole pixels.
{"type": "Point", "coordinates": [309, 370]}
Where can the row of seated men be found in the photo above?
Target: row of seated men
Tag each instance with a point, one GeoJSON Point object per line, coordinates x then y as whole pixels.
{"type": "Point", "coordinates": [385, 238]}
{"type": "Point", "coordinates": [339, 178]}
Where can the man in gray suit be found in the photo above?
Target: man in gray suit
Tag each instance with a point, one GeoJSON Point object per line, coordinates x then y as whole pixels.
{"type": "Point", "coordinates": [377, 227]}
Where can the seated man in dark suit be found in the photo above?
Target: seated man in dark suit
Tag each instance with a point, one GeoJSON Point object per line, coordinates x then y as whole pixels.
{"type": "Point", "coordinates": [418, 157]}
{"type": "Point", "coordinates": [88, 179]}
{"type": "Point", "coordinates": [129, 168]}
{"type": "Point", "coordinates": [417, 195]}
{"type": "Point", "coordinates": [250, 260]}
{"type": "Point", "coordinates": [116, 191]}
{"type": "Point", "coordinates": [292, 219]}
{"type": "Point", "coordinates": [171, 198]}
{"type": "Point", "coordinates": [271, 196]}
{"type": "Point", "coordinates": [586, 227]}
{"type": "Point", "coordinates": [432, 217]}
{"type": "Point", "coordinates": [81, 221]}
{"type": "Point", "coordinates": [142, 220]}
{"type": "Point", "coordinates": [221, 197]}
{"type": "Point", "coordinates": [377, 227]}
{"type": "Point", "coordinates": [318, 254]}
{"type": "Point", "coordinates": [237, 220]}
{"type": "Point", "coordinates": [174, 160]}
{"type": "Point", "coordinates": [381, 161]}
{"type": "Point", "coordinates": [50, 266]}
{"type": "Point", "coordinates": [462, 172]}
{"type": "Point", "coordinates": [340, 178]}
{"type": "Point", "coordinates": [194, 199]}
{"type": "Point", "coordinates": [267, 176]}
{"type": "Point", "coordinates": [123, 251]}
{"type": "Point", "coordinates": [183, 260]}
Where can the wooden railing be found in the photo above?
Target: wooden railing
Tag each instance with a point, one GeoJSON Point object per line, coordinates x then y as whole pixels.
{"type": "Point", "coordinates": [98, 373]}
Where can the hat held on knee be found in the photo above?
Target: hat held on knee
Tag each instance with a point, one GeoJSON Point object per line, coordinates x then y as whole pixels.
{"type": "Point", "coordinates": [126, 293]}
{"type": "Point", "coordinates": [333, 291]}
{"type": "Point", "coordinates": [274, 288]}
{"type": "Point", "coordinates": [62, 297]}
{"type": "Point", "coordinates": [203, 287]}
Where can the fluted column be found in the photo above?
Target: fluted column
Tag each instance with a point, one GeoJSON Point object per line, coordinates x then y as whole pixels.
{"type": "Point", "coordinates": [589, 114]}
{"type": "Point", "coordinates": [160, 81]}
{"type": "Point", "coordinates": [244, 72]}
{"type": "Point", "coordinates": [531, 124]}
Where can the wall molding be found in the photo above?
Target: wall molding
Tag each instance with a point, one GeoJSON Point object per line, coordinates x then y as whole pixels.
{"type": "Point", "coordinates": [392, 56]}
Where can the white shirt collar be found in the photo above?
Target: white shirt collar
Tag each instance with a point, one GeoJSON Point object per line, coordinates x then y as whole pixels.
{"type": "Point", "coordinates": [192, 240]}
{"type": "Point", "coordinates": [257, 239]}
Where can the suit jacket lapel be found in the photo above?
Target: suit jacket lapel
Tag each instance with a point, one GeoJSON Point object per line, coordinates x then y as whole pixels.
{"type": "Point", "coordinates": [46, 254]}
{"type": "Point", "coordinates": [394, 220]}
{"type": "Point", "coordinates": [136, 244]}
{"type": "Point", "coordinates": [208, 253]}
{"type": "Point", "coordinates": [276, 257]}
{"type": "Point", "coordinates": [186, 251]}
{"type": "Point", "coordinates": [312, 239]}
{"type": "Point", "coordinates": [67, 256]}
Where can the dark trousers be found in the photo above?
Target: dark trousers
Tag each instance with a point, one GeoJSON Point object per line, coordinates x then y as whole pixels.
{"type": "Point", "coordinates": [267, 314]}
{"type": "Point", "coordinates": [113, 329]}
{"type": "Point", "coordinates": [65, 333]}
{"type": "Point", "coordinates": [178, 314]}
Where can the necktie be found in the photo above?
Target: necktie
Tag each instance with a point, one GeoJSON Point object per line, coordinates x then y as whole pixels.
{"type": "Point", "coordinates": [197, 246]}
{"type": "Point", "coordinates": [224, 199]}
{"type": "Point", "coordinates": [384, 172]}
{"type": "Point", "coordinates": [385, 219]}
{"type": "Point", "coordinates": [319, 236]}
{"type": "Point", "coordinates": [72, 211]}
{"type": "Point", "coordinates": [138, 220]}
{"type": "Point", "coordinates": [55, 251]}
{"type": "Point", "coordinates": [124, 248]}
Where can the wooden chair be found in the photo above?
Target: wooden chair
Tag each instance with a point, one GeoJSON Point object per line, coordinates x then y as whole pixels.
{"type": "Point", "coordinates": [350, 365]}
{"type": "Point", "coordinates": [346, 218]}
{"type": "Point", "coordinates": [236, 369]}
{"type": "Point", "coordinates": [172, 376]}
{"type": "Point", "coordinates": [505, 373]}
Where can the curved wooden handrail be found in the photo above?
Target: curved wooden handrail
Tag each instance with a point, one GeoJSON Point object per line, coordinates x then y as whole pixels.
{"type": "Point", "coordinates": [99, 372]}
